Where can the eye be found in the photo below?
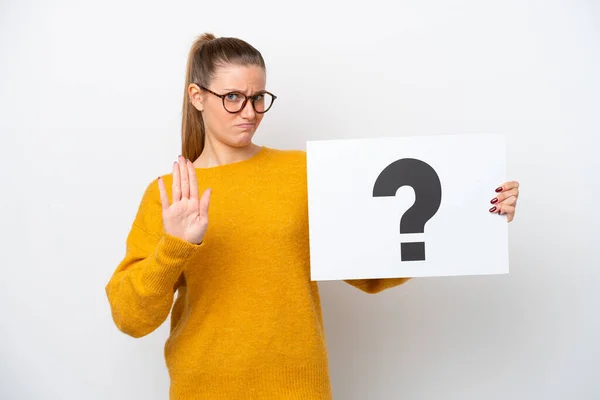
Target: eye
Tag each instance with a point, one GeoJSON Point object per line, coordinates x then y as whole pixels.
{"type": "Point", "coordinates": [232, 96]}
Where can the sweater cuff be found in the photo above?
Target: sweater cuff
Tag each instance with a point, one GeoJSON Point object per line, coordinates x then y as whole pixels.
{"type": "Point", "coordinates": [168, 261]}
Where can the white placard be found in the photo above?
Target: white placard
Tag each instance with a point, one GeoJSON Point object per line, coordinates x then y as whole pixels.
{"type": "Point", "coordinates": [361, 193]}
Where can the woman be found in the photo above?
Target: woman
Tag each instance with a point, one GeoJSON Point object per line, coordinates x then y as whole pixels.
{"type": "Point", "coordinates": [246, 323]}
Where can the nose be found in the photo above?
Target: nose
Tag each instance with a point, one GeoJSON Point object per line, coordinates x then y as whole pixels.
{"type": "Point", "coordinates": [248, 110]}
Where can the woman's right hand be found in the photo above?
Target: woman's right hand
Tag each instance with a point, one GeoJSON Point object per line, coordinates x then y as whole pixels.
{"type": "Point", "coordinates": [187, 217]}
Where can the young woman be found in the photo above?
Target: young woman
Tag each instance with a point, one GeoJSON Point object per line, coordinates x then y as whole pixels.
{"type": "Point", "coordinates": [246, 323]}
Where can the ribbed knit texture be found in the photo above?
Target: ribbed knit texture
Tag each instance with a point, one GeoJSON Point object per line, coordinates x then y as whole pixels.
{"type": "Point", "coordinates": [246, 322]}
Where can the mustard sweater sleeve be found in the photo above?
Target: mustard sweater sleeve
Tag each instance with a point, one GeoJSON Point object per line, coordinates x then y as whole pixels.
{"type": "Point", "coordinates": [373, 286]}
{"type": "Point", "coordinates": [141, 289]}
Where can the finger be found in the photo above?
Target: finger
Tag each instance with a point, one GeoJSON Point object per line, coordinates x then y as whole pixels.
{"type": "Point", "coordinates": [204, 203]}
{"type": "Point", "coordinates": [498, 208]}
{"type": "Point", "coordinates": [510, 201]}
{"type": "Point", "coordinates": [185, 181]}
{"type": "Point", "coordinates": [176, 183]}
{"type": "Point", "coordinates": [193, 180]}
{"type": "Point", "coordinates": [503, 209]}
{"type": "Point", "coordinates": [507, 186]}
{"type": "Point", "coordinates": [504, 195]}
{"type": "Point", "coordinates": [164, 198]}
{"type": "Point", "coordinates": [508, 210]}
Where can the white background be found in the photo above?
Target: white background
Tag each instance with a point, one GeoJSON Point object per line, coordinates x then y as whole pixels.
{"type": "Point", "coordinates": [354, 235]}
{"type": "Point", "coordinates": [90, 97]}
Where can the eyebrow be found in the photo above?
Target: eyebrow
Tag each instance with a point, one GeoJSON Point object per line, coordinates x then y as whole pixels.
{"type": "Point", "coordinates": [241, 91]}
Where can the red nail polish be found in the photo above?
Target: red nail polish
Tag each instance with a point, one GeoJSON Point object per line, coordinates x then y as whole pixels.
{"type": "Point", "coordinates": [493, 209]}
{"type": "Point", "coordinates": [499, 189]}
{"type": "Point", "coordinates": [494, 200]}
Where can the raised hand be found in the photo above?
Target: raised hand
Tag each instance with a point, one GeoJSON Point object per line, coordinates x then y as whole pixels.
{"type": "Point", "coordinates": [506, 201]}
{"type": "Point", "coordinates": [187, 217]}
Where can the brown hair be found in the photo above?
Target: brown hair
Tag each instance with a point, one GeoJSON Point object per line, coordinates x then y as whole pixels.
{"type": "Point", "coordinates": [205, 56]}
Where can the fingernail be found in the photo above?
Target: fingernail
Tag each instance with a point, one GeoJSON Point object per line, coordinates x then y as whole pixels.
{"type": "Point", "coordinates": [494, 200]}
{"type": "Point", "coordinates": [499, 189]}
{"type": "Point", "coordinates": [493, 209]}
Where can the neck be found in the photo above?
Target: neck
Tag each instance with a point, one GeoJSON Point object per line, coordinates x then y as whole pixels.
{"type": "Point", "coordinates": [216, 153]}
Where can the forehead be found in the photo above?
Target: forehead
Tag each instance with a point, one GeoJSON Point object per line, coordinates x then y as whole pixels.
{"type": "Point", "coordinates": [239, 77]}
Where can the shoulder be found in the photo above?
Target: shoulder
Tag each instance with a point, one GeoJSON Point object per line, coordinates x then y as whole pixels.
{"type": "Point", "coordinates": [290, 164]}
{"type": "Point", "coordinates": [286, 157]}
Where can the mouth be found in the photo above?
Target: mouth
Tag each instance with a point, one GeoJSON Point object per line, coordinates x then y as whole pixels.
{"type": "Point", "coordinates": [245, 126]}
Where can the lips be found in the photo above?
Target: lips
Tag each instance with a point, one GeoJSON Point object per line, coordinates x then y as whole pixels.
{"type": "Point", "coordinates": [245, 126]}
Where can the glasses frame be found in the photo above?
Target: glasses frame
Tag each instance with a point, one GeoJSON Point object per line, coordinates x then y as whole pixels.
{"type": "Point", "coordinates": [222, 97]}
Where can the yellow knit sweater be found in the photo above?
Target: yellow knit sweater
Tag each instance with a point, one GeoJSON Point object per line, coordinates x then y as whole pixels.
{"type": "Point", "coordinates": [246, 322]}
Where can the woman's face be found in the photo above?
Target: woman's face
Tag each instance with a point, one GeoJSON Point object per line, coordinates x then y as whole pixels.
{"type": "Point", "coordinates": [231, 129]}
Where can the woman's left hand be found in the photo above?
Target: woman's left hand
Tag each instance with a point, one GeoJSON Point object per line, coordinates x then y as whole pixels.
{"type": "Point", "coordinates": [506, 200]}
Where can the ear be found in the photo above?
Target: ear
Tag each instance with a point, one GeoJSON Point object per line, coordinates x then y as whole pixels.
{"type": "Point", "coordinates": [196, 96]}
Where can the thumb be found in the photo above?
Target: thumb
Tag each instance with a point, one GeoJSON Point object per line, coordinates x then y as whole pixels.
{"type": "Point", "coordinates": [204, 202]}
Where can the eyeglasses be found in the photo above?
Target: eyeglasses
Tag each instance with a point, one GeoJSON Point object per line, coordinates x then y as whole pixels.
{"type": "Point", "coordinates": [234, 102]}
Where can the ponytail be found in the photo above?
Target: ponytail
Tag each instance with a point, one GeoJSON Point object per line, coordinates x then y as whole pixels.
{"type": "Point", "coordinates": [192, 124]}
{"type": "Point", "coordinates": [208, 52]}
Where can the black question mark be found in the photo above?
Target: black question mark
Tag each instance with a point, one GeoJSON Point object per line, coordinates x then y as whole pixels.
{"type": "Point", "coordinates": [428, 196]}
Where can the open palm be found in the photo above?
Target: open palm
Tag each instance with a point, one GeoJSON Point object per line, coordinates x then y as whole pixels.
{"type": "Point", "coordinates": [187, 216]}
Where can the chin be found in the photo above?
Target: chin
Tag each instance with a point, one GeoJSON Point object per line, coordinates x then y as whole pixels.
{"type": "Point", "coordinates": [241, 140]}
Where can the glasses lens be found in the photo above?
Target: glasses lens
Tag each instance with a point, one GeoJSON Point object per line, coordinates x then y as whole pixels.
{"type": "Point", "coordinates": [233, 101]}
{"type": "Point", "coordinates": [263, 102]}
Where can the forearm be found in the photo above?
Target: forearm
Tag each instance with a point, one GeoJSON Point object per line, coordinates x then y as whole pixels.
{"type": "Point", "coordinates": [142, 288]}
